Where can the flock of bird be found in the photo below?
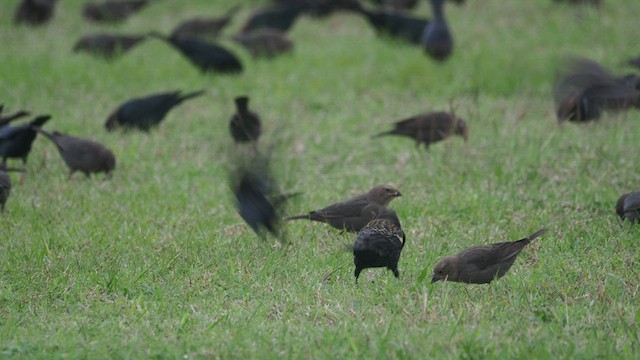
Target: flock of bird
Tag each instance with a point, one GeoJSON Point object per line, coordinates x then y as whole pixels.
{"type": "Point", "coordinates": [583, 91]}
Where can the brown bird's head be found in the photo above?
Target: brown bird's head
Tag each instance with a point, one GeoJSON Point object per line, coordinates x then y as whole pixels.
{"type": "Point", "coordinates": [445, 269]}
{"type": "Point", "coordinates": [461, 129]}
{"type": "Point", "coordinates": [620, 206]}
{"type": "Point", "coordinates": [383, 194]}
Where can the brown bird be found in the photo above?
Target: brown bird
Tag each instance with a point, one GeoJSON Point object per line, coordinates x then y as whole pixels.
{"type": "Point", "coordinates": [107, 46]}
{"type": "Point", "coordinates": [379, 243]}
{"type": "Point", "coordinates": [244, 125]}
{"type": "Point", "coordinates": [353, 214]}
{"type": "Point", "coordinates": [628, 207]}
{"type": "Point", "coordinates": [264, 43]}
{"type": "Point", "coordinates": [112, 11]}
{"type": "Point", "coordinates": [34, 12]}
{"type": "Point", "coordinates": [82, 155]}
{"type": "Point", "coordinates": [204, 27]}
{"type": "Point", "coordinates": [481, 264]}
{"type": "Point", "coordinates": [5, 120]}
{"type": "Point", "coordinates": [429, 128]}
{"type": "Point", "coordinates": [585, 89]}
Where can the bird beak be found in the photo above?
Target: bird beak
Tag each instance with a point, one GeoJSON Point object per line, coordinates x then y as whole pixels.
{"type": "Point", "coordinates": [397, 194]}
{"type": "Point", "coordinates": [435, 278]}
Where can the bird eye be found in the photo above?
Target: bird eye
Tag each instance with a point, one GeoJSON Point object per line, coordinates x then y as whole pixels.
{"type": "Point", "coordinates": [440, 272]}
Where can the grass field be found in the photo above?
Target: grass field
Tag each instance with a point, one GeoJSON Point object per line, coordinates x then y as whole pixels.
{"type": "Point", "coordinates": [156, 263]}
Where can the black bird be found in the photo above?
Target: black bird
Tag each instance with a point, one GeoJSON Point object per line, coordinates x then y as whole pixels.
{"type": "Point", "coordinates": [5, 185]}
{"type": "Point", "coordinates": [113, 11]}
{"type": "Point", "coordinates": [254, 206]}
{"type": "Point", "coordinates": [437, 41]}
{"type": "Point", "coordinates": [481, 264]}
{"type": "Point", "coordinates": [396, 4]}
{"type": "Point", "coordinates": [429, 128]}
{"type": "Point", "coordinates": [82, 155]}
{"type": "Point", "coordinates": [146, 112]}
{"type": "Point", "coordinates": [396, 24]}
{"type": "Point", "coordinates": [280, 16]}
{"type": "Point", "coordinates": [628, 207]}
{"type": "Point", "coordinates": [206, 56]}
{"type": "Point", "coordinates": [379, 243]}
{"type": "Point", "coordinates": [5, 120]}
{"type": "Point", "coordinates": [15, 141]}
{"type": "Point", "coordinates": [584, 89]}
{"type": "Point", "coordinates": [34, 12]}
{"type": "Point", "coordinates": [204, 27]}
{"type": "Point", "coordinates": [244, 125]}
{"type": "Point", "coordinates": [107, 46]}
{"type": "Point", "coordinates": [264, 43]}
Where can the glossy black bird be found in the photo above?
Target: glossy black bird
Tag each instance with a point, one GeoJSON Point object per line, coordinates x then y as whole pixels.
{"type": "Point", "coordinates": [437, 40]}
{"type": "Point", "coordinates": [146, 112]}
{"type": "Point", "coordinates": [107, 46]}
{"type": "Point", "coordinates": [264, 43]}
{"type": "Point", "coordinates": [204, 27]}
{"type": "Point", "coordinates": [628, 207]}
{"type": "Point", "coordinates": [34, 12]}
{"type": "Point", "coordinates": [481, 264]}
{"type": "Point", "coordinates": [395, 24]}
{"type": "Point", "coordinates": [113, 11]}
{"type": "Point", "coordinates": [206, 56]}
{"type": "Point", "coordinates": [280, 16]}
{"type": "Point", "coordinates": [353, 214]}
{"type": "Point", "coordinates": [5, 185]}
{"type": "Point", "coordinates": [5, 120]}
{"type": "Point", "coordinates": [15, 141]}
{"type": "Point", "coordinates": [82, 155]}
{"type": "Point", "coordinates": [584, 89]}
{"type": "Point", "coordinates": [379, 243]}
{"type": "Point", "coordinates": [429, 128]}
{"type": "Point", "coordinates": [245, 124]}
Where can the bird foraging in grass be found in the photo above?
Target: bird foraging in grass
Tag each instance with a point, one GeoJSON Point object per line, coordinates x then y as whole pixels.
{"type": "Point", "coordinates": [204, 27]}
{"type": "Point", "coordinates": [429, 128]}
{"type": "Point", "coordinates": [34, 12]}
{"type": "Point", "coordinates": [628, 207]}
{"type": "Point", "coordinates": [16, 141]}
{"type": "Point", "coordinates": [481, 264]}
{"type": "Point", "coordinates": [352, 215]}
{"type": "Point", "coordinates": [264, 43]}
{"type": "Point", "coordinates": [379, 243]}
{"type": "Point", "coordinates": [107, 46]}
{"type": "Point", "coordinates": [245, 125]}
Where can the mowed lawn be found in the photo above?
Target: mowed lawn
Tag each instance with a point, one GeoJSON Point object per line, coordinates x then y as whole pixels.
{"type": "Point", "coordinates": [156, 263]}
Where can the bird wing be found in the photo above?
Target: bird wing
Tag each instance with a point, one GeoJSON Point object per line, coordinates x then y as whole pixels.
{"type": "Point", "coordinates": [483, 257]}
{"type": "Point", "coordinates": [351, 208]}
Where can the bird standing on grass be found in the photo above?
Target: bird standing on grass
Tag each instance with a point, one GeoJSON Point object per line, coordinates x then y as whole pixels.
{"type": "Point", "coordinates": [82, 155]}
{"type": "Point", "coordinates": [481, 264]}
{"type": "Point", "coordinates": [244, 125]}
{"type": "Point", "coordinates": [429, 128]}
{"type": "Point", "coordinates": [204, 27]}
{"type": "Point", "coordinates": [437, 40]}
{"type": "Point", "coordinates": [628, 207]}
{"type": "Point", "coordinates": [353, 214]}
{"type": "Point", "coordinates": [146, 112]}
{"type": "Point", "coordinates": [379, 243]}
{"type": "Point", "coordinates": [16, 141]}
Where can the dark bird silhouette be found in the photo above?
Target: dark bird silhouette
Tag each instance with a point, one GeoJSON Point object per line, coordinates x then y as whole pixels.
{"type": "Point", "coordinates": [205, 56]}
{"type": "Point", "coordinates": [396, 4]}
{"type": "Point", "coordinates": [481, 264]}
{"type": "Point", "coordinates": [16, 141]}
{"type": "Point", "coordinates": [353, 214]}
{"type": "Point", "coordinates": [5, 120]}
{"type": "Point", "coordinates": [107, 46]}
{"type": "Point", "coordinates": [82, 155]}
{"type": "Point", "coordinates": [5, 185]}
{"type": "Point", "coordinates": [628, 207]}
{"type": "Point", "coordinates": [635, 62]}
{"type": "Point", "coordinates": [113, 11]}
{"type": "Point", "coordinates": [146, 112]}
{"type": "Point", "coordinates": [395, 24]}
{"type": "Point", "coordinates": [34, 12]}
{"type": "Point", "coordinates": [264, 43]}
{"type": "Point", "coordinates": [204, 27]}
{"type": "Point", "coordinates": [437, 40]}
{"type": "Point", "coordinates": [244, 125]}
{"type": "Point", "coordinates": [429, 128]}
{"type": "Point", "coordinates": [580, 2]}
{"type": "Point", "coordinates": [280, 16]}
{"type": "Point", "coordinates": [584, 89]}
{"type": "Point", "coordinates": [379, 243]}
{"type": "Point", "coordinates": [254, 206]}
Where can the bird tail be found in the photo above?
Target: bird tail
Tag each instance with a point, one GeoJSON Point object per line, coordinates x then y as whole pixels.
{"type": "Point", "coordinates": [298, 217]}
{"type": "Point", "coordinates": [43, 132]}
{"type": "Point", "coordinates": [386, 133]}
{"type": "Point", "coordinates": [535, 235]}
{"type": "Point", "coordinates": [191, 95]}
{"type": "Point", "coordinates": [40, 120]}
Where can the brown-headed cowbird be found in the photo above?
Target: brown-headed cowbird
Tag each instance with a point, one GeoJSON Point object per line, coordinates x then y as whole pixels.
{"type": "Point", "coordinates": [280, 16]}
{"type": "Point", "coordinates": [113, 11]}
{"type": "Point", "coordinates": [5, 185]}
{"type": "Point", "coordinates": [82, 155]}
{"type": "Point", "coordinates": [15, 141]}
{"type": "Point", "coordinates": [379, 243]}
{"type": "Point", "coordinates": [146, 112]}
{"type": "Point", "coordinates": [353, 214]}
{"type": "Point", "coordinates": [205, 56]}
{"type": "Point", "coordinates": [34, 12]}
{"type": "Point", "coordinates": [204, 27]}
{"type": "Point", "coordinates": [481, 264]}
{"type": "Point", "coordinates": [429, 128]}
{"type": "Point", "coordinates": [437, 40]}
{"type": "Point", "coordinates": [264, 43]}
{"type": "Point", "coordinates": [244, 125]}
{"type": "Point", "coordinates": [5, 120]}
{"type": "Point", "coordinates": [628, 207]}
{"type": "Point", "coordinates": [395, 24]}
{"type": "Point", "coordinates": [584, 89]}
{"type": "Point", "coordinates": [107, 46]}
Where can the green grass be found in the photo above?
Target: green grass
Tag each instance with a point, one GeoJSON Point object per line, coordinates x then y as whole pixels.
{"type": "Point", "coordinates": [156, 263]}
